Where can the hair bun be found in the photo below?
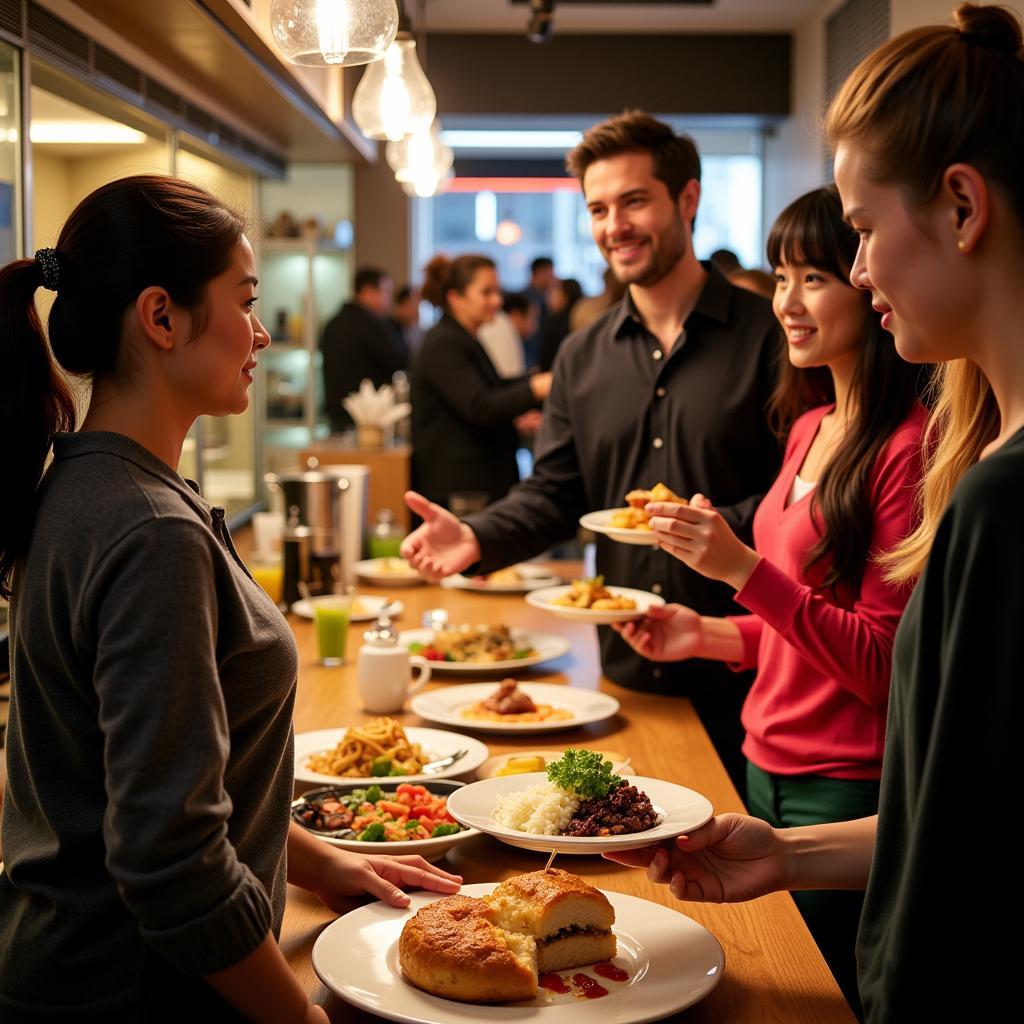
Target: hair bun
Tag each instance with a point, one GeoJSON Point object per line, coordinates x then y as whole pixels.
{"type": "Point", "coordinates": [994, 28]}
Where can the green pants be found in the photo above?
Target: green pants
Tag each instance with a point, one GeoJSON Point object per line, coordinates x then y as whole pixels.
{"type": "Point", "coordinates": [832, 917]}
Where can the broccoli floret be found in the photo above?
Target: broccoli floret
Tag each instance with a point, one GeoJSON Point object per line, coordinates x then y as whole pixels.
{"type": "Point", "coordinates": [373, 794]}
{"type": "Point", "coordinates": [380, 767]}
{"type": "Point", "coordinates": [445, 829]}
{"type": "Point", "coordinates": [372, 833]}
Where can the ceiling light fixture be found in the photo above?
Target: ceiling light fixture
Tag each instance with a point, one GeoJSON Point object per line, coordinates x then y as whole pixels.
{"type": "Point", "coordinates": [393, 97]}
{"type": "Point", "coordinates": [322, 33]}
{"type": "Point", "coordinates": [96, 133]}
{"type": "Point", "coordinates": [421, 160]}
{"type": "Point", "coordinates": [541, 24]}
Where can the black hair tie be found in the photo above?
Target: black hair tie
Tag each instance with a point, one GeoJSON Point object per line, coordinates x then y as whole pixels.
{"type": "Point", "coordinates": [47, 260]}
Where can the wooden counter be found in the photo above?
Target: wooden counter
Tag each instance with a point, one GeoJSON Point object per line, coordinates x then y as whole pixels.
{"type": "Point", "coordinates": [773, 970]}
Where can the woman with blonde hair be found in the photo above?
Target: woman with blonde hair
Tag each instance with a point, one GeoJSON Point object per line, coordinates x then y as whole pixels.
{"type": "Point", "coordinates": [930, 169]}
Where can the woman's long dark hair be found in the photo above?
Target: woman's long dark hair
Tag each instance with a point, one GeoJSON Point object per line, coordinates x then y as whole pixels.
{"type": "Point", "coordinates": [811, 232]}
{"type": "Point", "coordinates": [124, 237]}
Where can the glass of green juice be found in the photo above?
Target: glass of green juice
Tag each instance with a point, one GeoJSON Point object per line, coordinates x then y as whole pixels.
{"type": "Point", "coordinates": [331, 613]}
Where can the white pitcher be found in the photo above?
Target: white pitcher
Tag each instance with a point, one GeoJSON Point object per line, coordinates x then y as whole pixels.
{"type": "Point", "coordinates": [384, 673]}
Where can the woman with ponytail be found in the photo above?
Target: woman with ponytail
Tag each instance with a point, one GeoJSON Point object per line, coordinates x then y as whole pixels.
{"type": "Point", "coordinates": [146, 831]}
{"type": "Point", "coordinates": [463, 412]}
{"type": "Point", "coordinates": [929, 164]}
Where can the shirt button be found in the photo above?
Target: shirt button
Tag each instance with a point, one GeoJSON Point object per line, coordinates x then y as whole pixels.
{"type": "Point", "coordinates": [657, 354]}
{"type": "Point", "coordinates": [660, 392]}
{"type": "Point", "coordinates": [657, 442]}
{"type": "Point", "coordinates": [656, 673]}
{"type": "Point", "coordinates": [656, 589]}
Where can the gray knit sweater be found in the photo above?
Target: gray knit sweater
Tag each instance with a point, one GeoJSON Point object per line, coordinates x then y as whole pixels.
{"type": "Point", "coordinates": [149, 749]}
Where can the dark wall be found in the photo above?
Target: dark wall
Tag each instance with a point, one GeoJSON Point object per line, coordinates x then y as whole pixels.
{"type": "Point", "coordinates": [708, 74]}
{"type": "Point", "coordinates": [382, 220]}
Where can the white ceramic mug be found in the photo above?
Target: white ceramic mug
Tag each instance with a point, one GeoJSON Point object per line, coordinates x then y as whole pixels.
{"type": "Point", "coordinates": [384, 676]}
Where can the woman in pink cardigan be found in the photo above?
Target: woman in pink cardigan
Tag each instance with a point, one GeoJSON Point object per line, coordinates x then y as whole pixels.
{"type": "Point", "coordinates": [822, 614]}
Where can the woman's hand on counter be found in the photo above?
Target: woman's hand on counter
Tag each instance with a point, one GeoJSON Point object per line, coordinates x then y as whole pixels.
{"type": "Point", "coordinates": [352, 874]}
{"type": "Point", "coordinates": [441, 545]}
{"type": "Point", "coordinates": [337, 875]}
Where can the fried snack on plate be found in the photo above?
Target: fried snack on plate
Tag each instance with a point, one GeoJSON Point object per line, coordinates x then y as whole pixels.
{"type": "Point", "coordinates": [634, 517]}
{"type": "Point", "coordinates": [593, 594]}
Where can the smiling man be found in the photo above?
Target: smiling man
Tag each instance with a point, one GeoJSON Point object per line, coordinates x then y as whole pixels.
{"type": "Point", "coordinates": [670, 384]}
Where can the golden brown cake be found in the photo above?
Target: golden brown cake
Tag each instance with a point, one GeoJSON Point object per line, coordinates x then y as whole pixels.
{"type": "Point", "coordinates": [452, 948]}
{"type": "Point", "coordinates": [490, 950]}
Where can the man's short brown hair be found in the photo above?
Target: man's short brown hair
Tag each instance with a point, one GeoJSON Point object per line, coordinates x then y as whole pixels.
{"type": "Point", "coordinates": [676, 160]}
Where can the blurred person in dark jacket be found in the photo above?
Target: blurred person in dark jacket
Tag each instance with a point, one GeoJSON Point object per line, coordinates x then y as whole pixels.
{"type": "Point", "coordinates": [463, 411]}
{"type": "Point", "coordinates": [405, 319]}
{"type": "Point", "coordinates": [562, 297]}
{"type": "Point", "coordinates": [358, 344]}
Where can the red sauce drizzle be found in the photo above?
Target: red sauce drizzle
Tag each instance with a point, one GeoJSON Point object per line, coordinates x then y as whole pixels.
{"type": "Point", "coordinates": [553, 983]}
{"type": "Point", "coordinates": [610, 971]}
{"type": "Point", "coordinates": [587, 987]}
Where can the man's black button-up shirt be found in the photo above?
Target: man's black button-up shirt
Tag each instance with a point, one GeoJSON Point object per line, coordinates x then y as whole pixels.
{"type": "Point", "coordinates": [623, 414]}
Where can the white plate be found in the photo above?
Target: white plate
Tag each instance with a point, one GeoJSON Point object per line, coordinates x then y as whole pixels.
{"type": "Point", "coordinates": [445, 706]}
{"type": "Point", "coordinates": [544, 599]}
{"type": "Point", "coordinates": [490, 768]}
{"type": "Point", "coordinates": [680, 810]}
{"type": "Point", "coordinates": [436, 744]}
{"type": "Point", "coordinates": [428, 849]}
{"type": "Point", "coordinates": [600, 522]}
{"type": "Point", "coordinates": [373, 571]}
{"type": "Point", "coordinates": [370, 606]}
{"type": "Point", "coordinates": [672, 962]}
{"type": "Point", "coordinates": [547, 646]}
{"type": "Point", "coordinates": [532, 577]}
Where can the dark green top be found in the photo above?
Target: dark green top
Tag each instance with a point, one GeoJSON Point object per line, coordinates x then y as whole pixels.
{"type": "Point", "coordinates": [149, 750]}
{"type": "Point", "coordinates": [946, 878]}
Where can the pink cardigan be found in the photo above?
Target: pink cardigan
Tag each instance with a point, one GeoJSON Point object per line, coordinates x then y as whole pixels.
{"type": "Point", "coordinates": [818, 703]}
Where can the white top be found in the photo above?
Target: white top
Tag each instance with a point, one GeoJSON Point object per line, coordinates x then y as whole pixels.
{"type": "Point", "coordinates": [800, 489]}
{"type": "Point", "coordinates": [504, 346]}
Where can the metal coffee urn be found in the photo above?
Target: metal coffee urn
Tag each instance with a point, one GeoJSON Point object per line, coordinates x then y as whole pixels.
{"type": "Point", "coordinates": [312, 540]}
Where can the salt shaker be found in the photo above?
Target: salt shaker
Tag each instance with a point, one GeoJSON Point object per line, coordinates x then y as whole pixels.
{"type": "Point", "coordinates": [384, 671]}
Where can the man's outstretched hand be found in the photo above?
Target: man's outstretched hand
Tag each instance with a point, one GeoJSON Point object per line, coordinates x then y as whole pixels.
{"type": "Point", "coordinates": [440, 545]}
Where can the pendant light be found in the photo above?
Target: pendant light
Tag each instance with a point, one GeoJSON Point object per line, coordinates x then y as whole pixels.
{"type": "Point", "coordinates": [421, 158]}
{"type": "Point", "coordinates": [320, 33]}
{"type": "Point", "coordinates": [394, 98]}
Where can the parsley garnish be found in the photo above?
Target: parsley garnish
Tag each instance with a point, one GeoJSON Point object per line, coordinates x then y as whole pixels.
{"type": "Point", "coordinates": [583, 772]}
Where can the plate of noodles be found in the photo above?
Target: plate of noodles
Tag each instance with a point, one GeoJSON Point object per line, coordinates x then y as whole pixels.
{"type": "Point", "coordinates": [380, 750]}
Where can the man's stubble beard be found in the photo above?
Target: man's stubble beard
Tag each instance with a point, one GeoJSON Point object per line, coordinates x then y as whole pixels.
{"type": "Point", "coordinates": [664, 258]}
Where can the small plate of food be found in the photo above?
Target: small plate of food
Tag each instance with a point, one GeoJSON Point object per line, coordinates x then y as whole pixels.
{"type": "Point", "coordinates": [591, 601]}
{"type": "Point", "coordinates": [552, 944]}
{"type": "Point", "coordinates": [522, 761]}
{"type": "Point", "coordinates": [482, 648]}
{"type": "Point", "coordinates": [579, 805]}
{"type": "Point", "coordinates": [516, 579]}
{"type": "Point", "coordinates": [630, 525]}
{"type": "Point", "coordinates": [387, 818]}
{"type": "Point", "coordinates": [387, 572]}
{"type": "Point", "coordinates": [365, 608]}
{"type": "Point", "coordinates": [514, 707]}
{"type": "Point", "coordinates": [382, 749]}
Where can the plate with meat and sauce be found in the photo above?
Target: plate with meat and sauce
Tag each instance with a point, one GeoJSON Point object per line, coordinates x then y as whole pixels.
{"type": "Point", "coordinates": [512, 707]}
